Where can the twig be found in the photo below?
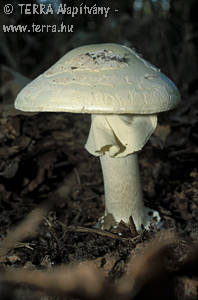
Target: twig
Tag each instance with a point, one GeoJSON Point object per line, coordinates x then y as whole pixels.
{"type": "Point", "coordinates": [96, 231]}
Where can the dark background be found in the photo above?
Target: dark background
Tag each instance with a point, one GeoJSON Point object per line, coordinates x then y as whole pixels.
{"type": "Point", "coordinates": [164, 31]}
{"type": "Point", "coordinates": [43, 160]}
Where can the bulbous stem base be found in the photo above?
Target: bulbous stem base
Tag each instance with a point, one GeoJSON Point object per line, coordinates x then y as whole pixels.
{"type": "Point", "coordinates": [123, 192]}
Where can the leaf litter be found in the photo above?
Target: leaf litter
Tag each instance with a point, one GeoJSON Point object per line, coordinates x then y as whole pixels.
{"type": "Point", "coordinates": [52, 197]}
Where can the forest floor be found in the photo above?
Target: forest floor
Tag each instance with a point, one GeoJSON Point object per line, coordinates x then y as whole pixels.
{"type": "Point", "coordinates": [52, 196]}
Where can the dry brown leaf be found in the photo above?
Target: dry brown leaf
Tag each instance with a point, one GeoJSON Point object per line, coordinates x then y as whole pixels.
{"type": "Point", "coordinates": [83, 280]}
{"type": "Point", "coordinates": [146, 265]}
{"type": "Point", "coordinates": [27, 228]}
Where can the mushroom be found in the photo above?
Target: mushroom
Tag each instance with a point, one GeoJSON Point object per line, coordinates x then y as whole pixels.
{"type": "Point", "coordinates": [123, 92]}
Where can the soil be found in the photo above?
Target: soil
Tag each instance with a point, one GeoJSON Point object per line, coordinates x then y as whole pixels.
{"type": "Point", "coordinates": [44, 164]}
{"type": "Point", "coordinates": [51, 188]}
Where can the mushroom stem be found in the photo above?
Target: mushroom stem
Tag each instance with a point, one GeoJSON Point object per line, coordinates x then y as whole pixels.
{"type": "Point", "coordinates": [123, 192]}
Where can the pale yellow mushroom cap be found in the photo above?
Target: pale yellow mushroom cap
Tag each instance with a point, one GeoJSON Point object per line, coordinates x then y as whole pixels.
{"type": "Point", "coordinates": [100, 79]}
